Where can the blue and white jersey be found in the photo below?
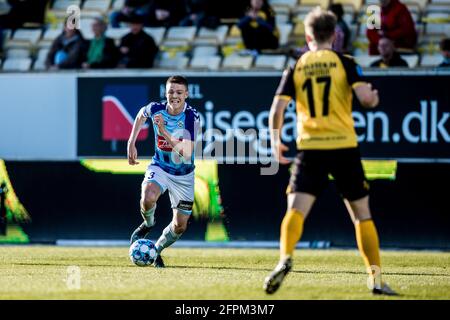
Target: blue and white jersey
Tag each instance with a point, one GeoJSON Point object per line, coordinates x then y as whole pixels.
{"type": "Point", "coordinates": [183, 126]}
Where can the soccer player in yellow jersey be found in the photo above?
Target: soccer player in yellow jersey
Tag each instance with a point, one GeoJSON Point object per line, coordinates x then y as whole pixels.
{"type": "Point", "coordinates": [321, 83]}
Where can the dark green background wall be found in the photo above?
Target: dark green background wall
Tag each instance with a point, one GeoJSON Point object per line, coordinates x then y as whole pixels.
{"type": "Point", "coordinates": [67, 201]}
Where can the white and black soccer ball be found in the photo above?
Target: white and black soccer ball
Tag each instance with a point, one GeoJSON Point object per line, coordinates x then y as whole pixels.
{"type": "Point", "coordinates": [143, 252]}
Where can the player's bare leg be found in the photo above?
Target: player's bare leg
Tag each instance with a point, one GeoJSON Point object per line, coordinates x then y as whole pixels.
{"type": "Point", "coordinates": [171, 233]}
{"type": "Point", "coordinates": [149, 196]}
{"type": "Point", "coordinates": [368, 243]}
{"type": "Point", "coordinates": [299, 205]}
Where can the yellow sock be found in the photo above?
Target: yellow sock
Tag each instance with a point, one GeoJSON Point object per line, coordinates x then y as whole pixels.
{"type": "Point", "coordinates": [369, 247]}
{"type": "Point", "coordinates": [291, 231]}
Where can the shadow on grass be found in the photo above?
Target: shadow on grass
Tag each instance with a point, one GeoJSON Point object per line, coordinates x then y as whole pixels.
{"type": "Point", "coordinates": [308, 271]}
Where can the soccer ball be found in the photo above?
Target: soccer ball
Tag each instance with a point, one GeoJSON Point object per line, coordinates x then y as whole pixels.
{"type": "Point", "coordinates": [143, 252]}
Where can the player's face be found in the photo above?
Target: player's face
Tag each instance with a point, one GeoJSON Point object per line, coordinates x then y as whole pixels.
{"type": "Point", "coordinates": [386, 47]}
{"type": "Point", "coordinates": [97, 28]}
{"type": "Point", "coordinates": [69, 32]}
{"type": "Point", "coordinates": [176, 94]}
{"type": "Point", "coordinates": [257, 4]}
{"type": "Point", "coordinates": [135, 27]}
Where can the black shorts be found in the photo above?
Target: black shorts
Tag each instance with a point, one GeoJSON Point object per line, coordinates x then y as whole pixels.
{"type": "Point", "coordinates": [312, 167]}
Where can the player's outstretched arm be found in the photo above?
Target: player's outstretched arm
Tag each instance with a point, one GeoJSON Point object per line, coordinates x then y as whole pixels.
{"type": "Point", "coordinates": [131, 147]}
{"type": "Point", "coordinates": [276, 119]}
{"type": "Point", "coordinates": [367, 96]}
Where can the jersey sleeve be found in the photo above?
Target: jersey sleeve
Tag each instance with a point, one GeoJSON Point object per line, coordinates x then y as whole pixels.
{"type": "Point", "coordinates": [192, 125]}
{"type": "Point", "coordinates": [148, 110]}
{"type": "Point", "coordinates": [152, 108]}
{"type": "Point", "coordinates": [286, 88]}
{"type": "Point", "coordinates": [354, 72]}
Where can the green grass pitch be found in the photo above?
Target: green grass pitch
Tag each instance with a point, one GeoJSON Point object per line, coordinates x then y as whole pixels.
{"type": "Point", "coordinates": [40, 272]}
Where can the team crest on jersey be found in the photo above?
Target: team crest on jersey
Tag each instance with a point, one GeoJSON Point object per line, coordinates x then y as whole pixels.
{"type": "Point", "coordinates": [180, 124]}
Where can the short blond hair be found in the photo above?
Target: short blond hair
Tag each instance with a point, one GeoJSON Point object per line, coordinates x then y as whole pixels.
{"type": "Point", "coordinates": [320, 24]}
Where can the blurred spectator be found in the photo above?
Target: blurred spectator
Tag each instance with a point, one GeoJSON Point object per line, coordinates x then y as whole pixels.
{"type": "Point", "coordinates": [396, 24]}
{"type": "Point", "coordinates": [67, 50]}
{"type": "Point", "coordinates": [137, 48]}
{"type": "Point", "coordinates": [15, 13]}
{"type": "Point", "coordinates": [338, 42]}
{"type": "Point", "coordinates": [258, 27]}
{"type": "Point", "coordinates": [22, 11]}
{"type": "Point", "coordinates": [342, 32]}
{"type": "Point", "coordinates": [200, 13]}
{"type": "Point", "coordinates": [131, 7]}
{"type": "Point", "coordinates": [166, 13]}
{"type": "Point", "coordinates": [101, 52]}
{"type": "Point", "coordinates": [230, 9]}
{"type": "Point", "coordinates": [445, 50]}
{"type": "Point", "coordinates": [389, 56]}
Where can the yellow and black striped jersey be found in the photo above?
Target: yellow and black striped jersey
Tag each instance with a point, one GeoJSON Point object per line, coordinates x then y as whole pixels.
{"type": "Point", "coordinates": [321, 82]}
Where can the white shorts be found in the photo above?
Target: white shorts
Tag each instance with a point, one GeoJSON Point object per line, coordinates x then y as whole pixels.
{"type": "Point", "coordinates": [181, 188]}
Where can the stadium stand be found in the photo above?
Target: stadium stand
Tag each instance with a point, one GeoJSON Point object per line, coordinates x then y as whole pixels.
{"type": "Point", "coordinates": [48, 37]}
{"type": "Point", "coordinates": [366, 60]}
{"type": "Point", "coordinates": [157, 33]}
{"type": "Point", "coordinates": [24, 38]}
{"type": "Point", "coordinates": [59, 8]}
{"type": "Point", "coordinates": [283, 10]}
{"type": "Point", "coordinates": [211, 63]}
{"type": "Point", "coordinates": [237, 62]}
{"type": "Point", "coordinates": [204, 51]}
{"type": "Point", "coordinates": [412, 60]}
{"type": "Point", "coordinates": [210, 36]}
{"type": "Point", "coordinates": [62, 5]}
{"type": "Point", "coordinates": [39, 63]}
{"type": "Point", "coordinates": [234, 36]}
{"type": "Point", "coordinates": [351, 7]}
{"type": "Point", "coordinates": [270, 62]}
{"type": "Point", "coordinates": [188, 46]}
{"type": "Point", "coordinates": [182, 35]}
{"type": "Point", "coordinates": [285, 30]}
{"type": "Point", "coordinates": [4, 7]}
{"type": "Point", "coordinates": [17, 53]}
{"type": "Point", "coordinates": [117, 5]}
{"type": "Point", "coordinates": [85, 25]}
{"type": "Point", "coordinates": [17, 64]}
{"type": "Point", "coordinates": [98, 6]}
{"type": "Point", "coordinates": [173, 63]}
{"type": "Point", "coordinates": [312, 3]}
{"type": "Point", "coordinates": [430, 60]}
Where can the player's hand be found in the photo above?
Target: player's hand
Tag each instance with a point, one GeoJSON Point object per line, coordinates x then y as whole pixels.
{"type": "Point", "coordinates": [159, 121]}
{"type": "Point", "coordinates": [375, 97]}
{"type": "Point", "coordinates": [279, 148]}
{"type": "Point", "coordinates": [132, 154]}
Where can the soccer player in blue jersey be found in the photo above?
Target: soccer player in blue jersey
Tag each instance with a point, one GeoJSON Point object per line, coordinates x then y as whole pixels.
{"type": "Point", "coordinates": [175, 124]}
